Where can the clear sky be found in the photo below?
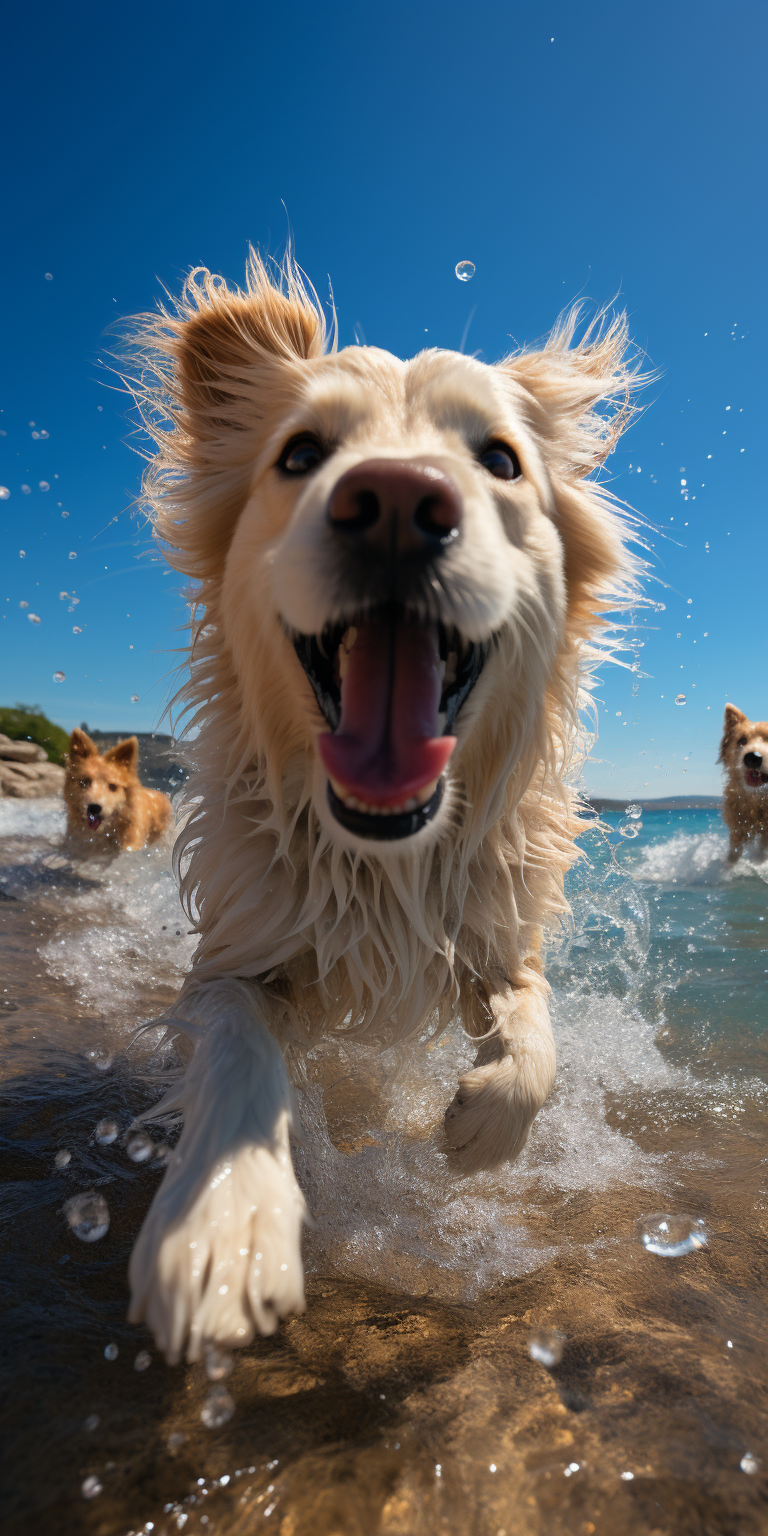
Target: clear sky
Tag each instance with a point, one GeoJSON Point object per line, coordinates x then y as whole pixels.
{"type": "Point", "coordinates": [567, 149]}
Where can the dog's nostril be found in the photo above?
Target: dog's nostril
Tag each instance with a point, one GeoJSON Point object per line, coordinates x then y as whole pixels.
{"type": "Point", "coordinates": [94, 809]}
{"type": "Point", "coordinates": [355, 512]}
{"type": "Point", "coordinates": [438, 517]}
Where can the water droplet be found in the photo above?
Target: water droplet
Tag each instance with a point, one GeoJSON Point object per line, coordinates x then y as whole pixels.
{"type": "Point", "coordinates": [218, 1363]}
{"type": "Point", "coordinates": [91, 1487]}
{"type": "Point", "coordinates": [59, 677]}
{"type": "Point", "coordinates": [99, 1057]}
{"type": "Point", "coordinates": [465, 270]}
{"type": "Point", "coordinates": [49, 277]}
{"type": "Point", "coordinates": [22, 604]}
{"type": "Point", "coordinates": [44, 486]}
{"type": "Point", "coordinates": [218, 1408]}
{"type": "Point", "coordinates": [111, 1352]}
{"type": "Point", "coordinates": [750, 1463]}
{"type": "Point", "coordinates": [88, 1216]}
{"type": "Point", "coordinates": [62, 1158]}
{"type": "Point", "coordinates": [143, 1360]}
{"type": "Point", "coordinates": [22, 554]}
{"type": "Point", "coordinates": [546, 1345]}
{"type": "Point", "coordinates": [43, 432]}
{"type": "Point", "coordinates": [140, 1147]}
{"type": "Point", "coordinates": [72, 554]}
{"type": "Point", "coordinates": [26, 490]}
{"type": "Point", "coordinates": [92, 1422]}
{"type": "Point", "coordinates": [106, 1132]}
{"type": "Point", "coordinates": [34, 618]}
{"type": "Point", "coordinates": [630, 828]}
{"type": "Point", "coordinates": [76, 630]}
{"type": "Point", "coordinates": [679, 698]}
{"type": "Point", "coordinates": [633, 812]}
{"type": "Point", "coordinates": [134, 698]}
{"type": "Point", "coordinates": [4, 493]}
{"type": "Point", "coordinates": [65, 514]}
{"type": "Point", "coordinates": [671, 1236]}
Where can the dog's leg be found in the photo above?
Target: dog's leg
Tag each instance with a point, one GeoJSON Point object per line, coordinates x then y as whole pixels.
{"type": "Point", "coordinates": [218, 1258]}
{"type": "Point", "coordinates": [489, 1118]}
{"type": "Point", "coordinates": [736, 846]}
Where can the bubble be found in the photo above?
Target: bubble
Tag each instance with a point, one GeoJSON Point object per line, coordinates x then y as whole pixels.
{"type": "Point", "coordinates": [218, 1408]}
{"type": "Point", "coordinates": [4, 493]}
{"type": "Point", "coordinates": [134, 698]}
{"type": "Point", "coordinates": [59, 677]}
{"type": "Point", "coordinates": [43, 432]}
{"type": "Point", "coordinates": [111, 1352]}
{"type": "Point", "coordinates": [91, 1423]}
{"type": "Point", "coordinates": [72, 554]}
{"type": "Point", "coordinates": [76, 630]}
{"type": "Point", "coordinates": [91, 1487]}
{"type": "Point", "coordinates": [140, 1147]}
{"type": "Point", "coordinates": [633, 812]}
{"type": "Point", "coordinates": [34, 618]}
{"type": "Point", "coordinates": [143, 1360]}
{"type": "Point", "coordinates": [22, 604]}
{"type": "Point", "coordinates": [465, 270]}
{"type": "Point", "coordinates": [88, 1216]}
{"type": "Point", "coordinates": [750, 1463]}
{"type": "Point", "coordinates": [679, 698]}
{"type": "Point", "coordinates": [49, 277]}
{"type": "Point", "coordinates": [671, 1236]}
{"type": "Point", "coordinates": [26, 490]}
{"type": "Point", "coordinates": [65, 514]}
{"type": "Point", "coordinates": [546, 1345]}
{"type": "Point", "coordinates": [22, 554]}
{"type": "Point", "coordinates": [106, 1132]}
{"type": "Point", "coordinates": [630, 828]}
{"type": "Point", "coordinates": [218, 1363]}
{"type": "Point", "coordinates": [62, 1158]}
{"type": "Point", "coordinates": [99, 1057]}
{"type": "Point", "coordinates": [44, 486]}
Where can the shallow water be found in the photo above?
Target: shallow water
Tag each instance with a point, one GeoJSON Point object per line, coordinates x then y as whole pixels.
{"type": "Point", "coordinates": [406, 1399]}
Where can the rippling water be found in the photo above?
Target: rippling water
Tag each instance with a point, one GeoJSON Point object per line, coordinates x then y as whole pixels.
{"type": "Point", "coordinates": [406, 1399]}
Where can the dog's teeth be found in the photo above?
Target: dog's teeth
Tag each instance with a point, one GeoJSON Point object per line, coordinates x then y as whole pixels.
{"type": "Point", "coordinates": [441, 670]}
{"type": "Point", "coordinates": [449, 676]}
{"type": "Point", "coordinates": [426, 793]}
{"type": "Point", "coordinates": [411, 805]}
{"type": "Point", "coordinates": [338, 789]}
{"type": "Point", "coordinates": [349, 637]}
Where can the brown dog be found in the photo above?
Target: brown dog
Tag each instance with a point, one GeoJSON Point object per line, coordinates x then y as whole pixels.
{"type": "Point", "coordinates": [108, 809]}
{"type": "Point", "coordinates": [744, 751]}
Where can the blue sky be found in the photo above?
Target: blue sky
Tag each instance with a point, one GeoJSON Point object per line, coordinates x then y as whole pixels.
{"type": "Point", "coordinates": [568, 150]}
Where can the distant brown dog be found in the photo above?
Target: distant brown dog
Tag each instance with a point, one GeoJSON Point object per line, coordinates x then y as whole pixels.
{"type": "Point", "coordinates": [744, 751]}
{"type": "Point", "coordinates": [108, 810]}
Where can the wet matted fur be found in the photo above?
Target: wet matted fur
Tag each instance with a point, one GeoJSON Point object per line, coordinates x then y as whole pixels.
{"type": "Point", "coordinates": [108, 809]}
{"type": "Point", "coordinates": [744, 754]}
{"type": "Point", "coordinates": [377, 898]}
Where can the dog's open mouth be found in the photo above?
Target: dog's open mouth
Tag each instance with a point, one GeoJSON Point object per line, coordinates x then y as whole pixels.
{"type": "Point", "coordinates": [390, 688]}
{"type": "Point", "coordinates": [94, 820]}
{"type": "Point", "coordinates": [754, 778]}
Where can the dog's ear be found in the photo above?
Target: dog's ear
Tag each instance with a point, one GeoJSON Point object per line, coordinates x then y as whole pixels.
{"type": "Point", "coordinates": [125, 753]}
{"type": "Point", "coordinates": [582, 393]}
{"type": "Point", "coordinates": [732, 723]}
{"type": "Point", "coordinates": [80, 745]}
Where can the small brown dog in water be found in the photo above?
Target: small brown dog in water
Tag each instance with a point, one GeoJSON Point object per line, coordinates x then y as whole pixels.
{"type": "Point", "coordinates": [108, 809]}
{"type": "Point", "coordinates": [744, 751]}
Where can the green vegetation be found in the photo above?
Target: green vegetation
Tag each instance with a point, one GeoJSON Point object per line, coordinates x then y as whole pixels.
{"type": "Point", "coordinates": [26, 722]}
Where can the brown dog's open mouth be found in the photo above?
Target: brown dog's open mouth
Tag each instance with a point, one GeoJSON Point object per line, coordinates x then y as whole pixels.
{"type": "Point", "coordinates": [94, 821]}
{"type": "Point", "coordinates": [754, 778]}
{"type": "Point", "coordinates": [390, 688]}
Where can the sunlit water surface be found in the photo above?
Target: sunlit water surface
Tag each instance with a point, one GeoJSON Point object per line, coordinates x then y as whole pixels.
{"type": "Point", "coordinates": [407, 1399]}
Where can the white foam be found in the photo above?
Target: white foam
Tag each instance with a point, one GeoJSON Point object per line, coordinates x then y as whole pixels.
{"type": "Point", "coordinates": [33, 818]}
{"type": "Point", "coordinates": [700, 859]}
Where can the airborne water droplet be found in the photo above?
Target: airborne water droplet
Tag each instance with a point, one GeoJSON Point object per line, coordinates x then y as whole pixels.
{"type": "Point", "coordinates": [111, 1352]}
{"type": "Point", "coordinates": [34, 618]}
{"type": "Point", "coordinates": [91, 1487]}
{"type": "Point", "coordinates": [465, 270]}
{"type": "Point", "coordinates": [630, 828]}
{"type": "Point", "coordinates": [634, 812]}
{"type": "Point", "coordinates": [671, 1236]}
{"type": "Point", "coordinates": [62, 1158]}
{"type": "Point", "coordinates": [4, 493]}
{"type": "Point", "coordinates": [88, 1216]}
{"type": "Point", "coordinates": [106, 1132]}
{"type": "Point", "coordinates": [140, 1147]}
{"type": "Point", "coordinates": [679, 698]}
{"type": "Point", "coordinates": [134, 698]}
{"type": "Point", "coordinates": [59, 677]}
{"type": "Point", "coordinates": [218, 1408]}
{"type": "Point", "coordinates": [72, 554]}
{"type": "Point", "coordinates": [143, 1360]}
{"type": "Point", "coordinates": [218, 1363]}
{"type": "Point", "coordinates": [546, 1346]}
{"type": "Point", "coordinates": [749, 1463]}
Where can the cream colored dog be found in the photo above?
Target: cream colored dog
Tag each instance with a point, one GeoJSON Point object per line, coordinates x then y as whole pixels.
{"type": "Point", "coordinates": [744, 752]}
{"type": "Point", "coordinates": [401, 566]}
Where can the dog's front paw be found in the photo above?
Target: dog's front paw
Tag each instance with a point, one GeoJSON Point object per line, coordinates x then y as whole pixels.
{"type": "Point", "coordinates": [491, 1113]}
{"type": "Point", "coordinates": [231, 1266]}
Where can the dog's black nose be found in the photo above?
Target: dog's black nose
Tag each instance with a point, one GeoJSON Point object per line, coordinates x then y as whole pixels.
{"type": "Point", "coordinates": [396, 509]}
{"type": "Point", "coordinates": [753, 760]}
{"type": "Point", "coordinates": [94, 810]}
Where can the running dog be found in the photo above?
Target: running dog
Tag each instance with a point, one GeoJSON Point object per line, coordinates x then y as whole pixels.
{"type": "Point", "coordinates": [403, 573]}
{"type": "Point", "coordinates": [744, 752]}
{"type": "Point", "coordinates": [108, 809]}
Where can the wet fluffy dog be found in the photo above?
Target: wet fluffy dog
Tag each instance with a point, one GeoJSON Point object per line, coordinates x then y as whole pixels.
{"type": "Point", "coordinates": [744, 751]}
{"type": "Point", "coordinates": [402, 567]}
{"type": "Point", "coordinates": [108, 809]}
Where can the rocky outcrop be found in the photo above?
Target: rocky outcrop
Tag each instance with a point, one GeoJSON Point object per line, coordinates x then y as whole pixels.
{"type": "Point", "coordinates": [25, 772]}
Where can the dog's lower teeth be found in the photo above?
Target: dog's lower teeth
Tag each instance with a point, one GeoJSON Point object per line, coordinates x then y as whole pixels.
{"type": "Point", "coordinates": [425, 794]}
{"type": "Point", "coordinates": [405, 807]}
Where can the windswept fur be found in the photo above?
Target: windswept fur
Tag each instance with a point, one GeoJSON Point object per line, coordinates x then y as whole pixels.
{"type": "Point", "coordinates": [337, 934]}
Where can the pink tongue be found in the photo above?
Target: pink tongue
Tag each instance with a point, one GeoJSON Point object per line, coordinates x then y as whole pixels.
{"type": "Point", "coordinates": [385, 748]}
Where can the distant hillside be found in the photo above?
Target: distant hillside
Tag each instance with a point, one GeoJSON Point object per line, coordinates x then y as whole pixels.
{"type": "Point", "coordinates": [669, 803]}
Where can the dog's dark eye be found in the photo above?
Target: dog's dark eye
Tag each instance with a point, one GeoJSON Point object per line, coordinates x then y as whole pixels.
{"type": "Point", "coordinates": [85, 783]}
{"type": "Point", "coordinates": [300, 456]}
{"type": "Point", "coordinates": [113, 787]}
{"type": "Point", "coordinates": [501, 461]}
{"type": "Point", "coordinates": [742, 741]}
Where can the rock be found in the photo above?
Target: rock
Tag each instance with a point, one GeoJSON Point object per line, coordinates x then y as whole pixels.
{"type": "Point", "coordinates": [29, 781]}
{"type": "Point", "coordinates": [22, 751]}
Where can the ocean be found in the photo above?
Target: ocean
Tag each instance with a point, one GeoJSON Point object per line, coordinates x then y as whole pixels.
{"type": "Point", "coordinates": [574, 1344]}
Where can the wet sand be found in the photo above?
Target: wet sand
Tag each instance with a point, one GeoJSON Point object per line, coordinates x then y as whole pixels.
{"type": "Point", "coordinates": [343, 1419]}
